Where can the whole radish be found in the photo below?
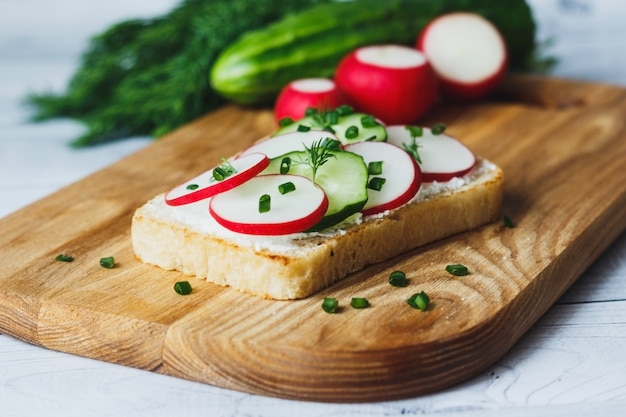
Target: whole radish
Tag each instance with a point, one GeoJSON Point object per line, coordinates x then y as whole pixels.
{"type": "Point", "coordinates": [467, 53]}
{"type": "Point", "coordinates": [394, 83]}
{"type": "Point", "coordinates": [297, 96]}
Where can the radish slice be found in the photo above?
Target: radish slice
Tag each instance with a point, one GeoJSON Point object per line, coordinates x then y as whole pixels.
{"type": "Point", "coordinates": [401, 174]}
{"type": "Point", "coordinates": [442, 157]}
{"type": "Point", "coordinates": [288, 142]}
{"type": "Point", "coordinates": [293, 212]}
{"type": "Point", "coordinates": [205, 185]}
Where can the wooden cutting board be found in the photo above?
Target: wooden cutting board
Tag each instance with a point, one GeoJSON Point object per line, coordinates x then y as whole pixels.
{"type": "Point", "coordinates": [562, 146]}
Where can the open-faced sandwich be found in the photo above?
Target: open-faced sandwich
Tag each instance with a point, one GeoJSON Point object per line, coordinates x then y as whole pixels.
{"type": "Point", "coordinates": [321, 198]}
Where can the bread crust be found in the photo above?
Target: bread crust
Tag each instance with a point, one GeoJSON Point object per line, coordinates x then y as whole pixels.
{"type": "Point", "coordinates": [315, 262]}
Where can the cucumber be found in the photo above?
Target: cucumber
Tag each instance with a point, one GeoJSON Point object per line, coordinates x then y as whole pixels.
{"type": "Point", "coordinates": [343, 178]}
{"type": "Point", "coordinates": [348, 126]}
{"type": "Point", "coordinates": [254, 68]}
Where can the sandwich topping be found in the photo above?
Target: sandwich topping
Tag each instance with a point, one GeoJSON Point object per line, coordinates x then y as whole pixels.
{"type": "Point", "coordinates": [311, 178]}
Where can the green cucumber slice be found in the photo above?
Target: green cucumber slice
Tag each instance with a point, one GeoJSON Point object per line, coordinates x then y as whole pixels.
{"type": "Point", "coordinates": [367, 128]}
{"type": "Point", "coordinates": [343, 178]}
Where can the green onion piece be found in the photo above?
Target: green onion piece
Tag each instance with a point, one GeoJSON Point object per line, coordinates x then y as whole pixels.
{"type": "Point", "coordinates": [398, 279]}
{"type": "Point", "coordinates": [368, 121]}
{"type": "Point", "coordinates": [219, 173]}
{"type": "Point", "coordinates": [330, 305]}
{"type": "Point", "coordinates": [331, 144]}
{"type": "Point", "coordinates": [508, 222]}
{"type": "Point", "coordinates": [376, 183]}
{"type": "Point", "coordinates": [285, 165]}
{"type": "Point", "coordinates": [344, 110]}
{"type": "Point", "coordinates": [457, 269]}
{"type": "Point", "coordinates": [303, 128]}
{"type": "Point", "coordinates": [359, 302]}
{"type": "Point", "coordinates": [415, 131]}
{"type": "Point", "coordinates": [64, 258]}
{"type": "Point", "coordinates": [286, 187]}
{"type": "Point", "coordinates": [310, 111]}
{"type": "Point", "coordinates": [328, 129]}
{"type": "Point", "coordinates": [332, 117]}
{"type": "Point", "coordinates": [193, 186]}
{"type": "Point", "coordinates": [285, 121]}
{"type": "Point", "coordinates": [438, 129]}
{"type": "Point", "coordinates": [265, 202]}
{"type": "Point", "coordinates": [419, 301]}
{"type": "Point", "coordinates": [183, 287]}
{"type": "Point", "coordinates": [375, 168]}
{"type": "Point", "coordinates": [108, 262]}
{"type": "Point", "coordinates": [352, 132]}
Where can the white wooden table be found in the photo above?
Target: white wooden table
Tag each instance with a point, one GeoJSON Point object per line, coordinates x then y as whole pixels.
{"type": "Point", "coordinates": [571, 363]}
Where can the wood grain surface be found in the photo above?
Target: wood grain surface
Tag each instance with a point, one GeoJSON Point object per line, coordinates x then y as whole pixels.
{"type": "Point", "coordinates": [562, 146]}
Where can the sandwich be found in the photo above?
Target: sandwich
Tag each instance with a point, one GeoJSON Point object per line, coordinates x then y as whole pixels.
{"type": "Point", "coordinates": [321, 198]}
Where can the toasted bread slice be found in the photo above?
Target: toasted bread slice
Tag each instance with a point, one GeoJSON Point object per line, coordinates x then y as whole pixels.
{"type": "Point", "coordinates": [296, 266]}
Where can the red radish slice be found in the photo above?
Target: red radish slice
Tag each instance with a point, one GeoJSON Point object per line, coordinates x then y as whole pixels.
{"type": "Point", "coordinates": [442, 157]}
{"type": "Point", "coordinates": [467, 52]}
{"type": "Point", "coordinates": [402, 177]}
{"type": "Point", "coordinates": [293, 212]}
{"type": "Point", "coordinates": [394, 83]}
{"type": "Point", "coordinates": [287, 142]}
{"type": "Point", "coordinates": [205, 185]}
{"type": "Point", "coordinates": [297, 96]}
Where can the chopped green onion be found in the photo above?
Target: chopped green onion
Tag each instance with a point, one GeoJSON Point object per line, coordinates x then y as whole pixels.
{"type": "Point", "coordinates": [344, 110]}
{"type": "Point", "coordinates": [332, 117]}
{"type": "Point", "coordinates": [331, 144]}
{"type": "Point", "coordinates": [192, 187]}
{"type": "Point", "coordinates": [219, 173]}
{"type": "Point", "coordinates": [108, 262]}
{"type": "Point", "coordinates": [330, 305]}
{"type": "Point", "coordinates": [352, 132]}
{"type": "Point", "coordinates": [398, 279]}
{"type": "Point", "coordinates": [457, 269]}
{"type": "Point", "coordinates": [376, 183]}
{"type": "Point", "coordinates": [303, 128]}
{"type": "Point", "coordinates": [415, 131]}
{"type": "Point", "coordinates": [285, 165]}
{"type": "Point", "coordinates": [286, 187]}
{"type": "Point", "coordinates": [438, 129]}
{"type": "Point", "coordinates": [310, 111]}
{"type": "Point", "coordinates": [508, 222]}
{"type": "Point", "coordinates": [359, 302]}
{"type": "Point", "coordinates": [265, 202]}
{"type": "Point", "coordinates": [419, 300]}
{"type": "Point", "coordinates": [64, 258]}
{"type": "Point", "coordinates": [183, 287]}
{"type": "Point", "coordinates": [285, 121]}
{"type": "Point", "coordinates": [368, 121]}
{"type": "Point", "coordinates": [375, 168]}
{"type": "Point", "coordinates": [328, 129]}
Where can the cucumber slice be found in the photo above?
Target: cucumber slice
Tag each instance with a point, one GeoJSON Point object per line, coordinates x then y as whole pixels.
{"type": "Point", "coordinates": [343, 178]}
{"type": "Point", "coordinates": [363, 126]}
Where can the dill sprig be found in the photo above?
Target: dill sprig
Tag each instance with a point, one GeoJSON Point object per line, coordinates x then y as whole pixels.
{"type": "Point", "coordinates": [412, 147]}
{"type": "Point", "coordinates": [317, 155]}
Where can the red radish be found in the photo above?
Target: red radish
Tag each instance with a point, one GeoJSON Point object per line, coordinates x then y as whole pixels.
{"type": "Point", "coordinates": [399, 171]}
{"type": "Point", "coordinates": [394, 83]}
{"type": "Point", "coordinates": [442, 157]}
{"type": "Point", "coordinates": [287, 142]}
{"type": "Point", "coordinates": [292, 212]}
{"type": "Point", "coordinates": [467, 52]}
{"type": "Point", "coordinates": [298, 95]}
{"type": "Point", "coordinates": [206, 185]}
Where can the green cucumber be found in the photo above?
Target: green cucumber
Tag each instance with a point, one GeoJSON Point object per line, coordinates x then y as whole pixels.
{"type": "Point", "coordinates": [254, 68]}
{"type": "Point", "coordinates": [343, 178]}
{"type": "Point", "coordinates": [348, 126]}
